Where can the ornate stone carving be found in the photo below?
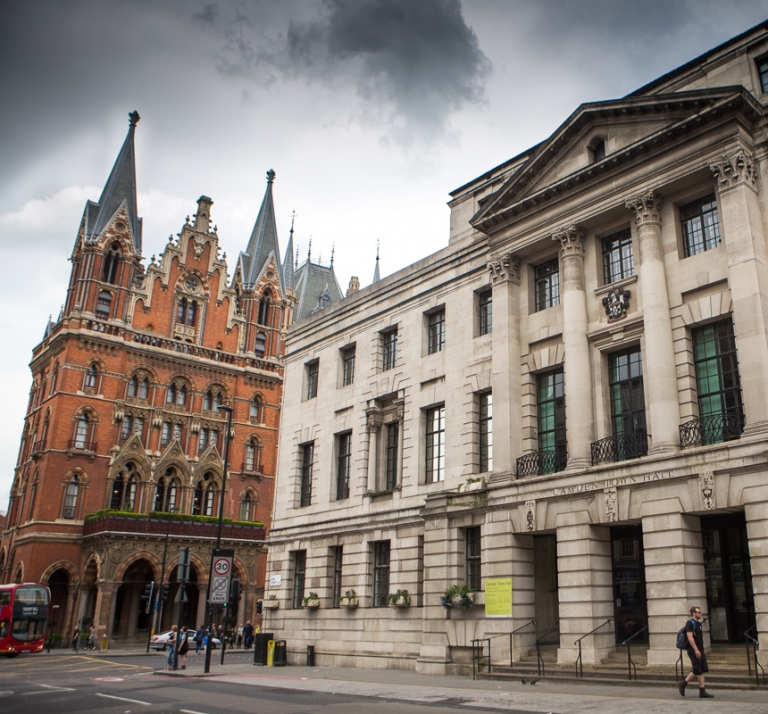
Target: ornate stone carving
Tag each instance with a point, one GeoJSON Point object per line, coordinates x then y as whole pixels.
{"type": "Point", "coordinates": [707, 488]}
{"type": "Point", "coordinates": [611, 505]}
{"type": "Point", "coordinates": [647, 207]}
{"type": "Point", "coordinates": [571, 240]}
{"type": "Point", "coordinates": [157, 417]}
{"type": "Point", "coordinates": [616, 304]}
{"type": "Point", "coordinates": [373, 422]}
{"type": "Point", "coordinates": [119, 412]}
{"type": "Point", "coordinates": [530, 516]}
{"type": "Point", "coordinates": [504, 267]}
{"type": "Point", "coordinates": [735, 169]}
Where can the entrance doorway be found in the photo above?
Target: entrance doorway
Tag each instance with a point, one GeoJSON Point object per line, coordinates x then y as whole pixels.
{"type": "Point", "coordinates": [630, 606]}
{"type": "Point", "coordinates": [546, 603]}
{"type": "Point", "coordinates": [728, 574]}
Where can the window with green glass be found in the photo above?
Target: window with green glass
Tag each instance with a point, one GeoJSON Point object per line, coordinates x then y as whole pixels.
{"type": "Point", "coordinates": [551, 422]}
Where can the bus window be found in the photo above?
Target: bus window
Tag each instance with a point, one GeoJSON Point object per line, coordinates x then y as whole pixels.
{"type": "Point", "coordinates": [3, 629]}
{"type": "Point", "coordinates": [5, 598]}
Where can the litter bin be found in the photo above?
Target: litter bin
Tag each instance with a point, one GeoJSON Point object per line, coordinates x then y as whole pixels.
{"type": "Point", "coordinates": [260, 648]}
{"type": "Point", "coordinates": [310, 655]}
{"type": "Point", "coordinates": [281, 654]}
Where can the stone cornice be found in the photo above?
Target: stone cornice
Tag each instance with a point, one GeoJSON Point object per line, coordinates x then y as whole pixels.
{"type": "Point", "coordinates": [735, 169]}
{"type": "Point", "coordinates": [647, 208]}
{"type": "Point", "coordinates": [503, 268]}
{"type": "Point", "coordinates": [571, 240]}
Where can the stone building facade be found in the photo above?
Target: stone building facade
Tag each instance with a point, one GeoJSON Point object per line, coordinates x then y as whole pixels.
{"type": "Point", "coordinates": [123, 416]}
{"type": "Point", "coordinates": [571, 394]}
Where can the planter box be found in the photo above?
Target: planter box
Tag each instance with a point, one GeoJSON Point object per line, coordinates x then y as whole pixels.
{"type": "Point", "coordinates": [402, 602]}
{"type": "Point", "coordinates": [348, 602]}
{"type": "Point", "coordinates": [271, 604]}
{"type": "Point", "coordinates": [312, 604]}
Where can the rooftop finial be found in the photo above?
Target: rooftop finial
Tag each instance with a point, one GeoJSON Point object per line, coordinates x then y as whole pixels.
{"type": "Point", "coordinates": [376, 273]}
{"type": "Point", "coordinates": [270, 176]}
{"type": "Point", "coordinates": [309, 250]}
{"type": "Point", "coordinates": [294, 216]}
{"type": "Point", "coordinates": [333, 251]}
{"type": "Point", "coordinates": [133, 118]}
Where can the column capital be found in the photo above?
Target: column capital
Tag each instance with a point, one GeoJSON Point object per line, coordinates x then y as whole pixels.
{"type": "Point", "coordinates": [571, 241]}
{"type": "Point", "coordinates": [735, 169]}
{"type": "Point", "coordinates": [373, 422]}
{"type": "Point", "coordinates": [503, 268]}
{"type": "Point", "coordinates": [647, 208]}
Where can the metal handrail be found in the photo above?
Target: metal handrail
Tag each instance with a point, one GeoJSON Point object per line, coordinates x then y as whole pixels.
{"type": "Point", "coordinates": [477, 657]}
{"type": "Point", "coordinates": [539, 659]}
{"type": "Point", "coordinates": [630, 664]}
{"type": "Point", "coordinates": [511, 648]}
{"type": "Point", "coordinates": [755, 646]}
{"type": "Point", "coordinates": [579, 663]}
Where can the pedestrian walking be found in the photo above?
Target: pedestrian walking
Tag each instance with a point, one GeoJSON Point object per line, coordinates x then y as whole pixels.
{"type": "Point", "coordinates": [240, 635]}
{"type": "Point", "coordinates": [91, 643]}
{"type": "Point", "coordinates": [247, 634]}
{"type": "Point", "coordinates": [199, 638]}
{"type": "Point", "coordinates": [76, 638]}
{"type": "Point", "coordinates": [183, 648]}
{"type": "Point", "coordinates": [171, 649]}
{"type": "Point", "coordinates": [695, 649]}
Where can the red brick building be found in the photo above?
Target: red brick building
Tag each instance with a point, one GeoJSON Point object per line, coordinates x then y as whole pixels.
{"type": "Point", "coordinates": [123, 415]}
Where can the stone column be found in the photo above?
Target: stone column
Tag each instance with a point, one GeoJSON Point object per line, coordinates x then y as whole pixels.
{"type": "Point", "coordinates": [674, 579]}
{"type": "Point", "coordinates": [659, 373]}
{"type": "Point", "coordinates": [104, 611]}
{"type": "Point", "coordinates": [579, 407]}
{"type": "Point", "coordinates": [202, 594]}
{"type": "Point", "coordinates": [67, 623]}
{"type": "Point", "coordinates": [756, 514]}
{"type": "Point", "coordinates": [373, 426]}
{"type": "Point", "coordinates": [742, 232]}
{"type": "Point", "coordinates": [505, 377]}
{"type": "Point", "coordinates": [585, 591]}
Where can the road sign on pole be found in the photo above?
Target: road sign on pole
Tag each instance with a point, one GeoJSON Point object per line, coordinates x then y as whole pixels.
{"type": "Point", "coordinates": [221, 576]}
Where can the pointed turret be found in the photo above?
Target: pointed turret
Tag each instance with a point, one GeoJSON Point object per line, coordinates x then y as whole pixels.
{"type": "Point", "coordinates": [288, 272]}
{"type": "Point", "coordinates": [120, 188]}
{"type": "Point", "coordinates": [263, 241]}
{"type": "Point", "coordinates": [376, 275]}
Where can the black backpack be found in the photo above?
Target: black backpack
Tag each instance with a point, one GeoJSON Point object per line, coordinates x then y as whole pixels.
{"type": "Point", "coordinates": [682, 636]}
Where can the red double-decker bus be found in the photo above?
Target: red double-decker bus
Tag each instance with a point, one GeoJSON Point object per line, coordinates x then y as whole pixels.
{"type": "Point", "coordinates": [23, 618]}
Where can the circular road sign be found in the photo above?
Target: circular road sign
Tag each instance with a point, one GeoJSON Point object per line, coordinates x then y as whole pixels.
{"type": "Point", "coordinates": [221, 566]}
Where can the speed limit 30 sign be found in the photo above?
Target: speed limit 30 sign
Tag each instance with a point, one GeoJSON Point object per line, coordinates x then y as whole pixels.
{"type": "Point", "coordinates": [221, 575]}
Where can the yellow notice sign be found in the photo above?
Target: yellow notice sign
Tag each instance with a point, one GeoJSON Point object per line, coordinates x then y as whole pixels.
{"type": "Point", "coordinates": [498, 597]}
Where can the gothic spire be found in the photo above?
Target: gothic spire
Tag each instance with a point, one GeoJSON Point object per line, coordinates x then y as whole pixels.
{"type": "Point", "coordinates": [263, 241]}
{"type": "Point", "coordinates": [376, 275]}
{"type": "Point", "coordinates": [120, 188]}
{"type": "Point", "coordinates": [288, 271]}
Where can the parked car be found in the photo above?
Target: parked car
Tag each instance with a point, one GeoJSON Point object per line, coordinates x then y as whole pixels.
{"type": "Point", "coordinates": [160, 641]}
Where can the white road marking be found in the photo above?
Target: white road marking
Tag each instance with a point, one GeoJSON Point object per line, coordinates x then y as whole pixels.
{"type": "Point", "coordinates": [6, 693]}
{"type": "Point", "coordinates": [55, 688]}
{"type": "Point", "coordinates": [190, 711]}
{"type": "Point", "coordinates": [124, 699]}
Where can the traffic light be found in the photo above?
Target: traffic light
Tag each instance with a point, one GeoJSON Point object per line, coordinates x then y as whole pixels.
{"type": "Point", "coordinates": [235, 591]}
{"type": "Point", "coordinates": [146, 596]}
{"type": "Point", "coordinates": [164, 588]}
{"type": "Point", "coordinates": [259, 606]}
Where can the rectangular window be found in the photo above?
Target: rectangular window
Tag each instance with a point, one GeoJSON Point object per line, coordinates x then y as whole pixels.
{"type": "Point", "coordinates": [618, 260]}
{"type": "Point", "coordinates": [486, 431]}
{"type": "Point", "coordinates": [628, 403]}
{"type": "Point", "coordinates": [472, 553]}
{"type": "Point", "coordinates": [299, 558]}
{"type": "Point", "coordinates": [313, 369]}
{"type": "Point", "coordinates": [348, 366]}
{"type": "Point", "coordinates": [380, 573]}
{"type": "Point", "coordinates": [165, 437]}
{"type": "Point", "coordinates": [389, 349]}
{"type": "Point", "coordinates": [701, 227]}
{"type": "Point", "coordinates": [435, 444]}
{"type": "Point", "coordinates": [436, 331]}
{"type": "Point", "coordinates": [343, 462]}
{"type": "Point", "coordinates": [485, 303]}
{"type": "Point", "coordinates": [338, 553]}
{"type": "Point", "coordinates": [393, 439]}
{"type": "Point", "coordinates": [546, 278]}
{"type": "Point", "coordinates": [202, 443]}
{"type": "Point", "coordinates": [126, 427]}
{"type": "Point", "coordinates": [762, 70]}
{"type": "Point", "coordinates": [550, 402]}
{"type": "Point", "coordinates": [718, 382]}
{"type": "Point", "coordinates": [307, 458]}
{"type": "Point", "coordinates": [177, 428]}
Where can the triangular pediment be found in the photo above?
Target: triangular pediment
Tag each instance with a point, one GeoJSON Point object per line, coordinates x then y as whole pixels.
{"type": "Point", "coordinates": [132, 450]}
{"type": "Point", "coordinates": [630, 128]}
{"type": "Point", "coordinates": [209, 461]}
{"type": "Point", "coordinates": [173, 455]}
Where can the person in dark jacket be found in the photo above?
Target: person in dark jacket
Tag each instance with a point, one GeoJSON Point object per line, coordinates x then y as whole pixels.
{"type": "Point", "coordinates": [199, 638]}
{"type": "Point", "coordinates": [695, 649]}
{"type": "Point", "coordinates": [76, 638]}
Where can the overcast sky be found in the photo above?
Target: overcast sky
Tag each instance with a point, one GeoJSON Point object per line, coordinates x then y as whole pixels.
{"type": "Point", "coordinates": [369, 111]}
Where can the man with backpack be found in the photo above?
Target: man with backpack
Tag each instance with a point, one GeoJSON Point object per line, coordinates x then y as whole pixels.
{"type": "Point", "coordinates": [694, 645]}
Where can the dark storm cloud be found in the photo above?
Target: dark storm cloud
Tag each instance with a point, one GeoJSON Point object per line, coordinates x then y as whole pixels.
{"type": "Point", "coordinates": [208, 14]}
{"type": "Point", "coordinates": [412, 63]}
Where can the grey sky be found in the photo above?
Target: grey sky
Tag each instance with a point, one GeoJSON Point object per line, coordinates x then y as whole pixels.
{"type": "Point", "coordinates": [370, 111]}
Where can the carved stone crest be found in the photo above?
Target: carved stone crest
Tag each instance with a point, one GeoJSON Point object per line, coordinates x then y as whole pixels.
{"type": "Point", "coordinates": [616, 304]}
{"type": "Point", "coordinates": [707, 488]}
{"type": "Point", "coordinates": [611, 505]}
{"type": "Point", "coordinates": [530, 516]}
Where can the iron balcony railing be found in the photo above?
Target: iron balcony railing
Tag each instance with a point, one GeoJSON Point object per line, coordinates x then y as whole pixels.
{"type": "Point", "coordinates": [539, 463]}
{"type": "Point", "coordinates": [620, 447]}
{"type": "Point", "coordinates": [711, 429]}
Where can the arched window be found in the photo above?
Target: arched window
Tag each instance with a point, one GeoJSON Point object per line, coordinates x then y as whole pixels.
{"type": "Point", "coordinates": [104, 305]}
{"type": "Point", "coordinates": [81, 432]}
{"type": "Point", "coordinates": [92, 377]}
{"type": "Point", "coordinates": [133, 386]}
{"type": "Point", "coordinates": [266, 298]}
{"type": "Point", "coordinates": [181, 396]}
{"type": "Point", "coordinates": [111, 261]}
{"type": "Point", "coordinates": [165, 437]}
{"type": "Point", "coordinates": [70, 497]}
{"type": "Point", "coordinates": [166, 491]}
{"type": "Point", "coordinates": [257, 410]}
{"type": "Point", "coordinates": [144, 388]}
{"type": "Point", "coordinates": [191, 313]}
{"type": "Point", "coordinates": [124, 489]}
{"type": "Point", "coordinates": [217, 400]}
{"type": "Point", "coordinates": [171, 397]}
{"type": "Point", "coordinates": [247, 508]}
{"type": "Point", "coordinates": [252, 456]}
{"type": "Point", "coordinates": [32, 495]}
{"type": "Point", "coordinates": [54, 377]}
{"type": "Point", "coordinates": [598, 150]}
{"type": "Point", "coordinates": [181, 312]}
{"type": "Point", "coordinates": [208, 400]}
{"type": "Point", "coordinates": [202, 504]}
{"type": "Point", "coordinates": [261, 344]}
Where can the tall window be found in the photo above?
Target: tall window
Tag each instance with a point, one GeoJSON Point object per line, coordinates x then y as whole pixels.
{"type": "Point", "coordinates": [338, 553]}
{"type": "Point", "coordinates": [393, 440]}
{"type": "Point", "coordinates": [264, 304]}
{"type": "Point", "coordinates": [472, 558]}
{"type": "Point", "coordinates": [178, 430]}
{"type": "Point", "coordinates": [299, 558]}
{"type": "Point", "coordinates": [202, 502]}
{"type": "Point", "coordinates": [436, 444]}
{"type": "Point", "coordinates": [550, 402]}
{"type": "Point", "coordinates": [133, 386]}
{"type": "Point", "coordinates": [144, 388]}
{"type": "Point", "coordinates": [701, 227]}
{"type": "Point", "coordinates": [307, 457]}
{"type": "Point", "coordinates": [81, 433]}
{"type": "Point", "coordinates": [186, 312]}
{"type": "Point", "coordinates": [343, 463]}
{"type": "Point", "coordinates": [92, 377]}
{"type": "Point", "coordinates": [762, 70]}
{"type": "Point", "coordinates": [104, 304]}
{"type": "Point", "coordinates": [348, 366]}
{"type": "Point", "coordinates": [718, 383]}
{"type": "Point", "coordinates": [389, 349]}
{"type": "Point", "coordinates": [380, 573]}
{"type": "Point", "coordinates": [246, 508]}
{"type": "Point", "coordinates": [166, 491]}
{"type": "Point", "coordinates": [70, 497]}
{"type": "Point", "coordinates": [486, 431]}
{"type": "Point", "coordinates": [124, 489]}
{"type": "Point", "coordinates": [253, 455]}
{"type": "Point", "coordinates": [165, 437]}
{"type": "Point", "coordinates": [485, 304]}
{"type": "Point", "coordinates": [313, 369]}
{"type": "Point", "coordinates": [202, 441]}
{"type": "Point", "coordinates": [546, 279]}
{"type": "Point", "coordinates": [618, 260]}
{"type": "Point", "coordinates": [257, 410]}
{"type": "Point", "coordinates": [628, 403]}
{"type": "Point", "coordinates": [111, 261]}
{"type": "Point", "coordinates": [436, 331]}
{"type": "Point", "coordinates": [260, 347]}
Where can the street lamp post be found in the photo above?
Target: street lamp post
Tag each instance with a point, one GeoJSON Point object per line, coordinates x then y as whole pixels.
{"type": "Point", "coordinates": [228, 411]}
{"type": "Point", "coordinates": [156, 597]}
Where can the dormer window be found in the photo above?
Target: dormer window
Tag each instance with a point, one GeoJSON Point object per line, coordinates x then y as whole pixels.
{"type": "Point", "coordinates": [597, 151]}
{"type": "Point", "coordinates": [186, 313]}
